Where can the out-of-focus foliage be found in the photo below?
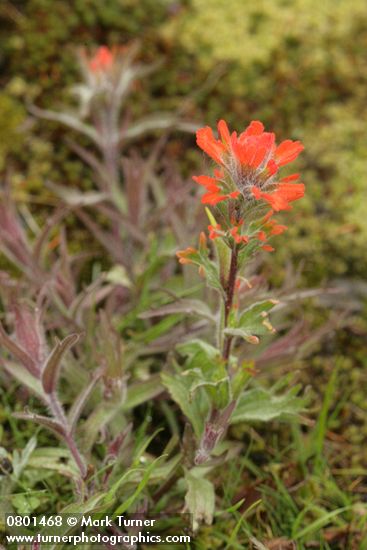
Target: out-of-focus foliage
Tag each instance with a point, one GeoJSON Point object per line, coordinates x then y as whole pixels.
{"type": "Point", "coordinates": [298, 66]}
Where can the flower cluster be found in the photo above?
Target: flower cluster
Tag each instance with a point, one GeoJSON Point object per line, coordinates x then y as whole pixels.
{"type": "Point", "coordinates": [103, 65]}
{"type": "Point", "coordinates": [247, 182]}
{"type": "Point", "coordinates": [102, 60]}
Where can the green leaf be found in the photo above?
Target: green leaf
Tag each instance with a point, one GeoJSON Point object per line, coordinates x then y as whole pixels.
{"type": "Point", "coordinates": [201, 258]}
{"type": "Point", "coordinates": [212, 275]}
{"type": "Point", "coordinates": [222, 249]}
{"type": "Point", "coordinates": [25, 378]}
{"type": "Point", "coordinates": [241, 375]}
{"type": "Point", "coordinates": [241, 333]}
{"type": "Point", "coordinates": [118, 275]}
{"type": "Point", "coordinates": [260, 404]}
{"type": "Point", "coordinates": [140, 392]}
{"type": "Point", "coordinates": [21, 460]}
{"type": "Point", "coordinates": [92, 505]}
{"type": "Point", "coordinates": [200, 499]}
{"type": "Point", "coordinates": [192, 406]}
{"type": "Point", "coordinates": [206, 369]}
{"type": "Point", "coordinates": [216, 385]}
{"type": "Point", "coordinates": [247, 251]}
{"type": "Point", "coordinates": [146, 476]}
{"type": "Point", "coordinates": [224, 257]}
{"type": "Point", "coordinates": [198, 351]}
{"type": "Point", "coordinates": [189, 307]}
{"type": "Point", "coordinates": [253, 319]}
{"type": "Point", "coordinates": [101, 415]}
{"type": "Point", "coordinates": [25, 504]}
{"type": "Point", "coordinates": [143, 445]}
{"type": "Point", "coordinates": [158, 329]}
{"type": "Point", "coordinates": [54, 459]}
{"type": "Point", "coordinates": [252, 322]}
{"type": "Point", "coordinates": [319, 523]}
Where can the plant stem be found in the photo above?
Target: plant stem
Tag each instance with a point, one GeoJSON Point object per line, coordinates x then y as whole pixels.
{"type": "Point", "coordinates": [59, 415]}
{"type": "Point", "coordinates": [230, 288]}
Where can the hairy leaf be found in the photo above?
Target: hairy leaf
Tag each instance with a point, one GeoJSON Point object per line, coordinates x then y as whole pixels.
{"type": "Point", "coordinates": [200, 499]}
{"type": "Point", "coordinates": [260, 404]}
{"type": "Point", "coordinates": [44, 421]}
{"type": "Point", "coordinates": [179, 389]}
{"type": "Point", "coordinates": [51, 370]}
{"type": "Point", "coordinates": [187, 306]}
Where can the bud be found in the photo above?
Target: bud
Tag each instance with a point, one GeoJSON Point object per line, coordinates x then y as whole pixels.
{"type": "Point", "coordinates": [202, 242]}
{"type": "Point", "coordinates": [184, 255]}
{"type": "Point", "coordinates": [211, 436]}
{"type": "Point", "coordinates": [215, 427]}
{"type": "Point", "coordinates": [201, 271]}
{"type": "Point", "coordinates": [102, 60]}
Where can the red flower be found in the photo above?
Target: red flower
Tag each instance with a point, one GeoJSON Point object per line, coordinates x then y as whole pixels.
{"type": "Point", "coordinates": [275, 228]}
{"type": "Point", "coordinates": [238, 238]}
{"type": "Point", "coordinates": [248, 168]}
{"type": "Point", "coordinates": [214, 231]}
{"type": "Point", "coordinates": [211, 146]}
{"type": "Point", "coordinates": [214, 191]}
{"type": "Point", "coordinates": [283, 194]}
{"type": "Point", "coordinates": [102, 60]}
{"type": "Point", "coordinates": [250, 161]}
{"type": "Point", "coordinates": [287, 151]}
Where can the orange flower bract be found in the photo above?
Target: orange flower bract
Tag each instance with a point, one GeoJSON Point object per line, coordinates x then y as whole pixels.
{"type": "Point", "coordinates": [102, 59]}
{"type": "Point", "coordinates": [247, 178]}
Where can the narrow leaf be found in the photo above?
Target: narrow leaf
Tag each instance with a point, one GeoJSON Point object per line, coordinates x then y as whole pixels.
{"type": "Point", "coordinates": [44, 421]}
{"type": "Point", "coordinates": [51, 369]}
{"type": "Point", "coordinates": [18, 352]}
{"type": "Point", "coordinates": [189, 307]}
{"type": "Point", "coordinates": [241, 333]}
{"type": "Point", "coordinates": [82, 398]}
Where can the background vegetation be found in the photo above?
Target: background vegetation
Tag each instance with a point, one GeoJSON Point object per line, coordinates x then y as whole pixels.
{"type": "Point", "coordinates": [300, 68]}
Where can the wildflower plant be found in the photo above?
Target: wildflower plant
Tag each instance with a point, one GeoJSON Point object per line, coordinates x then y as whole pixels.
{"type": "Point", "coordinates": [111, 355]}
{"type": "Point", "coordinates": [242, 198]}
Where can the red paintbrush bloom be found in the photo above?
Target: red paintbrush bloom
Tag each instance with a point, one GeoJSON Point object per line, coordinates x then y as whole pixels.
{"type": "Point", "coordinates": [238, 238]}
{"type": "Point", "coordinates": [102, 60]}
{"type": "Point", "coordinates": [248, 177]}
{"type": "Point", "coordinates": [283, 194]}
{"type": "Point", "coordinates": [249, 164]}
{"type": "Point", "coordinates": [214, 231]}
{"type": "Point", "coordinates": [214, 192]}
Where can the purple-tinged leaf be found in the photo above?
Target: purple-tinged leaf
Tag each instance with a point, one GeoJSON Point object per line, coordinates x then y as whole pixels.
{"type": "Point", "coordinates": [18, 352]}
{"type": "Point", "coordinates": [82, 398]}
{"type": "Point", "coordinates": [28, 332]}
{"type": "Point", "coordinates": [44, 421]}
{"type": "Point", "coordinates": [188, 307]}
{"type": "Point", "coordinates": [51, 369]}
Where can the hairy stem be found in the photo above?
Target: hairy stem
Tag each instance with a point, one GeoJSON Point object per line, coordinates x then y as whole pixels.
{"type": "Point", "coordinates": [230, 288]}
{"type": "Point", "coordinates": [59, 415]}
